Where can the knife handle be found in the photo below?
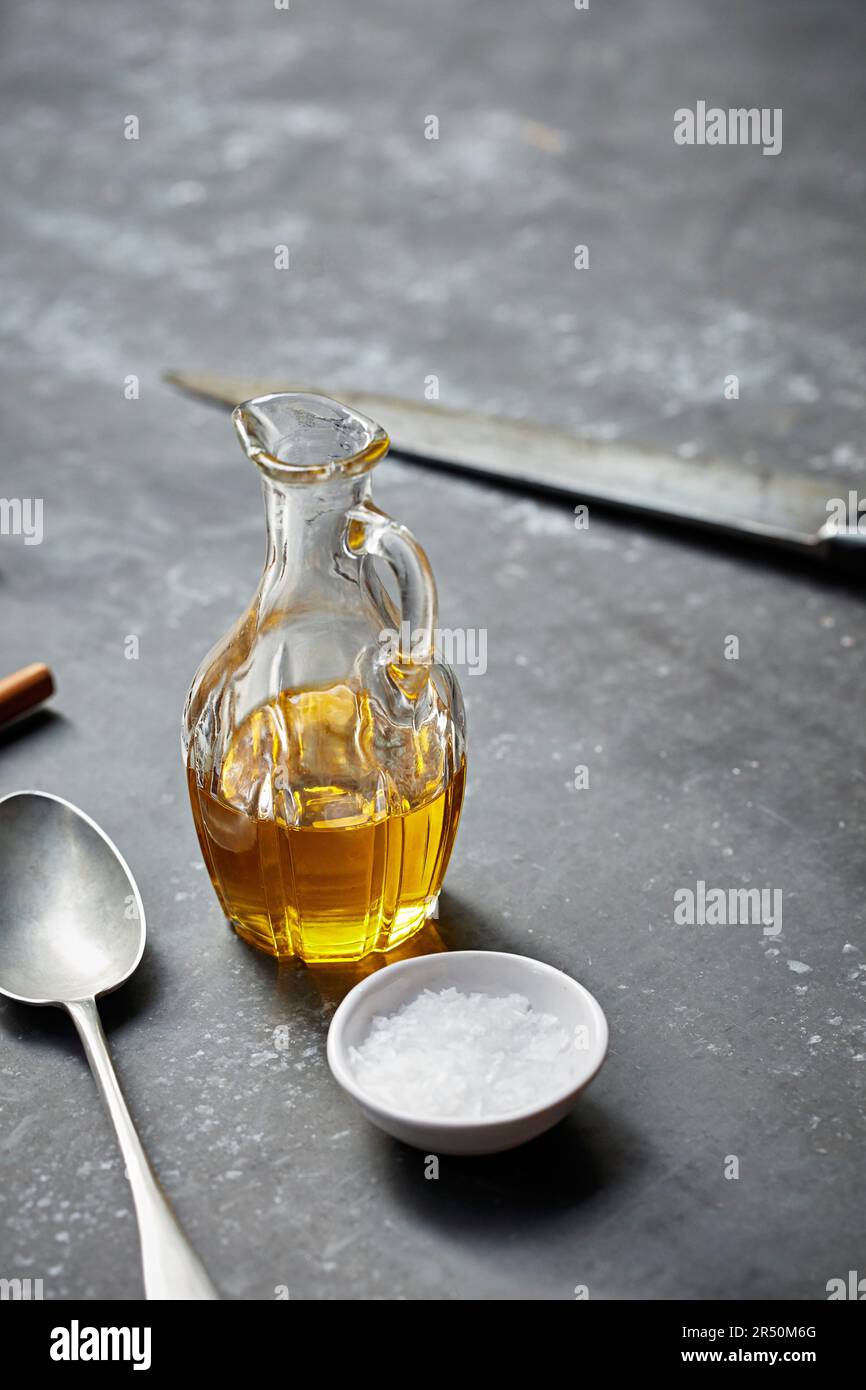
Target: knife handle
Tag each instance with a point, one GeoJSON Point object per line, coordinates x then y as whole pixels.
{"type": "Point", "coordinates": [846, 551]}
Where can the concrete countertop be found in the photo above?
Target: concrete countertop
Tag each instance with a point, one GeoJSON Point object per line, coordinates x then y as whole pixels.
{"type": "Point", "coordinates": [411, 257]}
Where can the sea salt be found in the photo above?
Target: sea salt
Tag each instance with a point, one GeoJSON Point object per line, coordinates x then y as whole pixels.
{"type": "Point", "coordinates": [465, 1056]}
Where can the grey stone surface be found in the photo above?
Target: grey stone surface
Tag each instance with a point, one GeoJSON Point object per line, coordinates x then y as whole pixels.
{"type": "Point", "coordinates": [411, 257]}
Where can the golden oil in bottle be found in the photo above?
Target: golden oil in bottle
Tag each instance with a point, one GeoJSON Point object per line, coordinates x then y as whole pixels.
{"type": "Point", "coordinates": [325, 869]}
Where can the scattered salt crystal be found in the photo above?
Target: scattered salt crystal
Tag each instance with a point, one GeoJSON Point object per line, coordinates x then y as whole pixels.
{"type": "Point", "coordinates": [449, 1055]}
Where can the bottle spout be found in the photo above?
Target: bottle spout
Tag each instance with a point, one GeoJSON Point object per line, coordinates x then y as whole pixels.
{"type": "Point", "coordinates": [301, 438]}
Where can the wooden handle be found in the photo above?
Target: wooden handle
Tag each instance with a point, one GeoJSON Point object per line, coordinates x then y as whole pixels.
{"type": "Point", "coordinates": [24, 689]}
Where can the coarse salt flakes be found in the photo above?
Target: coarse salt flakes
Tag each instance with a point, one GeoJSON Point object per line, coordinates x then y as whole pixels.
{"type": "Point", "coordinates": [448, 1055]}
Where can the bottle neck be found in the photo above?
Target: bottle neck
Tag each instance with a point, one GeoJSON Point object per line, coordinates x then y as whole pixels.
{"type": "Point", "coordinates": [306, 532]}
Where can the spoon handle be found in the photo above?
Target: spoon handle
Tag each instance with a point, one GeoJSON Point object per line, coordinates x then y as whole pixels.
{"type": "Point", "coordinates": [172, 1270]}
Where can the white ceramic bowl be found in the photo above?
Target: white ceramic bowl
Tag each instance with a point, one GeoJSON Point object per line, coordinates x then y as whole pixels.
{"type": "Point", "coordinates": [487, 972]}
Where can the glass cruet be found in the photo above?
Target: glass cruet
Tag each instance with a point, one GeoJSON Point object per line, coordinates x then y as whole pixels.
{"type": "Point", "coordinates": [324, 740]}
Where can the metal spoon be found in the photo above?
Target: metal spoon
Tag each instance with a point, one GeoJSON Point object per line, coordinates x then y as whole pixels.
{"type": "Point", "coordinates": [71, 929]}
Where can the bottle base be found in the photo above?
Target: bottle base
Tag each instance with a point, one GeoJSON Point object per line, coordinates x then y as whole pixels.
{"type": "Point", "coordinates": [328, 943]}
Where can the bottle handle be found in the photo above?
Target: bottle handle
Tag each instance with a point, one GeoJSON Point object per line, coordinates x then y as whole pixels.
{"type": "Point", "coordinates": [371, 532]}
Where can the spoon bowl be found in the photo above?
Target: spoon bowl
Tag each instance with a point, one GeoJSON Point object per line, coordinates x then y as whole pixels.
{"type": "Point", "coordinates": [71, 917]}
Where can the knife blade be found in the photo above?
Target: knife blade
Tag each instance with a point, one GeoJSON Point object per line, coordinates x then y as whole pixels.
{"type": "Point", "coordinates": [780, 509]}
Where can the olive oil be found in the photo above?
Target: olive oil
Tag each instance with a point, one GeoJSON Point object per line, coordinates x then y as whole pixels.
{"type": "Point", "coordinates": [313, 850]}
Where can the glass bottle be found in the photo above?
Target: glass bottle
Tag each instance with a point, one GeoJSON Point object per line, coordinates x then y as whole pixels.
{"type": "Point", "coordinates": [323, 739]}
